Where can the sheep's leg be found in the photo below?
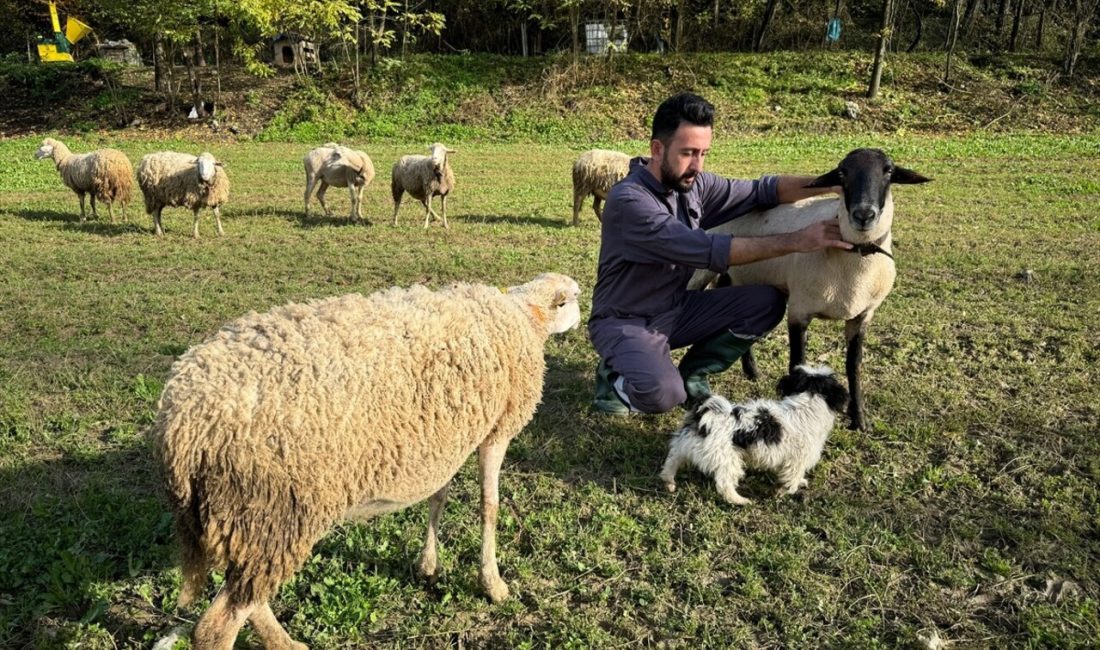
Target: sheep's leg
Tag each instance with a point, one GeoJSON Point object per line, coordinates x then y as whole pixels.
{"type": "Point", "coordinates": [428, 565]}
{"type": "Point", "coordinates": [397, 194]}
{"type": "Point", "coordinates": [309, 193]}
{"type": "Point", "coordinates": [111, 212]}
{"type": "Point", "coordinates": [748, 365]}
{"type": "Point", "coordinates": [853, 332]}
{"type": "Point", "coordinates": [578, 200]}
{"type": "Point", "coordinates": [218, 220]}
{"type": "Point", "coordinates": [195, 224]}
{"type": "Point", "coordinates": [428, 214]}
{"type": "Point", "coordinates": [354, 203]}
{"type": "Point", "coordinates": [443, 201]}
{"type": "Point", "coordinates": [490, 458]}
{"type": "Point", "coordinates": [597, 208]}
{"type": "Point", "coordinates": [156, 221]}
{"type": "Point", "coordinates": [274, 635]}
{"type": "Point", "coordinates": [81, 195]}
{"type": "Point", "coordinates": [217, 628]}
{"type": "Point", "coordinates": [94, 215]}
{"type": "Point", "coordinates": [321, 198]}
{"type": "Point", "coordinates": [796, 331]}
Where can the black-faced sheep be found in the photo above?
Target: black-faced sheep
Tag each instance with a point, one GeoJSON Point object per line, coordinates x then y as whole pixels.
{"type": "Point", "coordinates": [332, 164]}
{"type": "Point", "coordinates": [170, 179]}
{"type": "Point", "coordinates": [424, 177]}
{"type": "Point", "coordinates": [594, 172]}
{"type": "Point", "coordinates": [104, 174]}
{"type": "Point", "coordinates": [833, 284]}
{"type": "Point", "coordinates": [289, 421]}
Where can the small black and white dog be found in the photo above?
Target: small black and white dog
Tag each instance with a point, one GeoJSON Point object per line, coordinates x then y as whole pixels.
{"type": "Point", "coordinates": [785, 435]}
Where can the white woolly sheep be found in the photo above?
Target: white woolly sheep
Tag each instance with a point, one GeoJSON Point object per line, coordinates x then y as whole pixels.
{"type": "Point", "coordinates": [104, 174]}
{"type": "Point", "coordinates": [332, 164]}
{"type": "Point", "coordinates": [170, 179]}
{"type": "Point", "coordinates": [286, 422]}
{"type": "Point", "coordinates": [423, 177]}
{"type": "Point", "coordinates": [594, 172]}
{"type": "Point", "coordinates": [833, 284]}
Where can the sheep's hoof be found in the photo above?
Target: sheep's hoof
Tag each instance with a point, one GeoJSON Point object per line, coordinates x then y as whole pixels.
{"type": "Point", "coordinates": [497, 590]}
{"type": "Point", "coordinates": [428, 570]}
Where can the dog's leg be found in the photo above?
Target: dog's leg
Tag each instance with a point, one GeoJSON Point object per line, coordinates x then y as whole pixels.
{"type": "Point", "coordinates": [726, 478]}
{"type": "Point", "coordinates": [490, 457]}
{"type": "Point", "coordinates": [672, 465]}
{"type": "Point", "coordinates": [428, 565]}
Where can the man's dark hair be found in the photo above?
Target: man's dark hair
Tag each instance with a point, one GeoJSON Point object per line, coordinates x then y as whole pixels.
{"type": "Point", "coordinates": [674, 111]}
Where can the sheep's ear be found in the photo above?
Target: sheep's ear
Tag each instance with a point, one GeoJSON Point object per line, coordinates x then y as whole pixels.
{"type": "Point", "coordinates": [907, 177]}
{"type": "Point", "coordinates": [450, 151]}
{"type": "Point", "coordinates": [218, 163]}
{"type": "Point", "coordinates": [561, 298]}
{"type": "Point", "coordinates": [831, 179]}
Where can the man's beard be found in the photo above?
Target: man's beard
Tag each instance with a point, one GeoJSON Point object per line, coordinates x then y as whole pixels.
{"type": "Point", "coordinates": [681, 183]}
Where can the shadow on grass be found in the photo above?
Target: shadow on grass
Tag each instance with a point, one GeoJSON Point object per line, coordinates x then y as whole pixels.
{"type": "Point", "coordinates": [92, 226]}
{"type": "Point", "coordinates": [71, 524]}
{"type": "Point", "coordinates": [513, 220]}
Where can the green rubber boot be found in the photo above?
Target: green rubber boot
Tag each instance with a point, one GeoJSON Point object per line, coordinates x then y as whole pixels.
{"type": "Point", "coordinates": [607, 400]}
{"type": "Point", "coordinates": [706, 358]}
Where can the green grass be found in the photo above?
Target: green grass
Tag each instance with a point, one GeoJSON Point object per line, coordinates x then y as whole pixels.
{"type": "Point", "coordinates": [978, 483]}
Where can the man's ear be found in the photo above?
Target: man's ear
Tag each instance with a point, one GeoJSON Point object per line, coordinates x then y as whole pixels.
{"type": "Point", "coordinates": [656, 148]}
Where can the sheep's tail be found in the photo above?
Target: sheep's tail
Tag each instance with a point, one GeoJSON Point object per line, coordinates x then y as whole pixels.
{"type": "Point", "coordinates": [194, 560]}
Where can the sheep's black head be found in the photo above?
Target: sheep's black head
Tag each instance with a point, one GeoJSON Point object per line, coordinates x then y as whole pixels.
{"type": "Point", "coordinates": [865, 176]}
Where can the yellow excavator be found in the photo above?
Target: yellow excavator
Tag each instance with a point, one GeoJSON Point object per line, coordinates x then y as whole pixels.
{"type": "Point", "coordinates": [59, 46]}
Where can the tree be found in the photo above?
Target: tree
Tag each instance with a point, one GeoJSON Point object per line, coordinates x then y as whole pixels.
{"type": "Point", "coordinates": [884, 34]}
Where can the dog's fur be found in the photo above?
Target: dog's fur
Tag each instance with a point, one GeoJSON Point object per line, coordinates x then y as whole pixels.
{"type": "Point", "coordinates": [785, 435]}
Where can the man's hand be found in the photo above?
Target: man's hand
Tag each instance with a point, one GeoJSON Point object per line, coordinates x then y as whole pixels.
{"type": "Point", "coordinates": [818, 236]}
{"type": "Point", "coordinates": [823, 234]}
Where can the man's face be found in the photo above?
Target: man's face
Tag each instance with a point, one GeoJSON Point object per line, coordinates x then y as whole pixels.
{"type": "Point", "coordinates": [682, 158]}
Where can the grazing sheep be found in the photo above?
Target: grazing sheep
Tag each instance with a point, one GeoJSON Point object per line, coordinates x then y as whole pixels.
{"type": "Point", "coordinates": [105, 174]}
{"type": "Point", "coordinates": [594, 172]}
{"type": "Point", "coordinates": [286, 422]}
{"type": "Point", "coordinates": [332, 164]}
{"type": "Point", "coordinates": [833, 284]}
{"type": "Point", "coordinates": [170, 179]}
{"type": "Point", "coordinates": [423, 177]}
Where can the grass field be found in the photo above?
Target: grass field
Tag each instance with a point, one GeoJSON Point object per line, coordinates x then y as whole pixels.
{"type": "Point", "coordinates": [971, 511]}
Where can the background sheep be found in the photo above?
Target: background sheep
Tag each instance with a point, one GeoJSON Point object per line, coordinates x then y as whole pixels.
{"type": "Point", "coordinates": [594, 172]}
{"type": "Point", "coordinates": [833, 284]}
{"type": "Point", "coordinates": [332, 164]}
{"type": "Point", "coordinates": [170, 179]}
{"type": "Point", "coordinates": [105, 174]}
{"type": "Point", "coordinates": [423, 177]}
{"type": "Point", "coordinates": [286, 422]}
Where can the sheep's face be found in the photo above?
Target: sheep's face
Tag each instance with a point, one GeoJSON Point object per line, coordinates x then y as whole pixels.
{"type": "Point", "coordinates": [553, 298]}
{"type": "Point", "coordinates": [865, 176]}
{"type": "Point", "coordinates": [207, 167]}
{"type": "Point", "coordinates": [439, 158]}
{"type": "Point", "coordinates": [44, 151]}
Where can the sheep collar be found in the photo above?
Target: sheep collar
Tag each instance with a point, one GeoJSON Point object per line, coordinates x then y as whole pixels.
{"type": "Point", "coordinates": [871, 247]}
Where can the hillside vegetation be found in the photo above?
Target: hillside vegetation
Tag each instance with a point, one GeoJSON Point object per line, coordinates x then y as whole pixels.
{"type": "Point", "coordinates": [551, 99]}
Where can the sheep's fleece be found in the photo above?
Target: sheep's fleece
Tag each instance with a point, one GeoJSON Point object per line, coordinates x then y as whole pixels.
{"type": "Point", "coordinates": [286, 422]}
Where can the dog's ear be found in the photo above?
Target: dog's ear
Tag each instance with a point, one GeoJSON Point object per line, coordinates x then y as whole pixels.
{"type": "Point", "coordinates": [737, 412]}
{"type": "Point", "coordinates": [835, 394]}
{"type": "Point", "coordinates": [793, 383]}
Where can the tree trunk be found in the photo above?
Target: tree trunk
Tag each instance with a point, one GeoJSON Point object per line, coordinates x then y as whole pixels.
{"type": "Point", "coordinates": [196, 83]}
{"type": "Point", "coordinates": [523, 36]}
{"type": "Point", "coordinates": [1002, 11]}
{"type": "Point", "coordinates": [952, 38]}
{"type": "Point", "coordinates": [1082, 16]}
{"type": "Point", "coordinates": [200, 58]}
{"type": "Point", "coordinates": [765, 22]}
{"type": "Point", "coordinates": [920, 28]}
{"type": "Point", "coordinates": [681, 11]}
{"type": "Point", "coordinates": [880, 50]}
{"type": "Point", "coordinates": [1039, 29]}
{"type": "Point", "coordinates": [159, 81]}
{"type": "Point", "coordinates": [575, 23]}
{"type": "Point", "coordinates": [1017, 16]}
{"type": "Point", "coordinates": [968, 16]}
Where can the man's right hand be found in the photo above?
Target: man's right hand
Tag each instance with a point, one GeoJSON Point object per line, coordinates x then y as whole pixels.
{"type": "Point", "coordinates": [820, 235]}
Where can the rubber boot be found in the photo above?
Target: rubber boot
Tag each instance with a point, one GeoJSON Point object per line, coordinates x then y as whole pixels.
{"type": "Point", "coordinates": [607, 399]}
{"type": "Point", "coordinates": [706, 358]}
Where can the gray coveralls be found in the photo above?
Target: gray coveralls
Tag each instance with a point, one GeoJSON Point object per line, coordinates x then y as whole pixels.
{"type": "Point", "coordinates": [651, 241]}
